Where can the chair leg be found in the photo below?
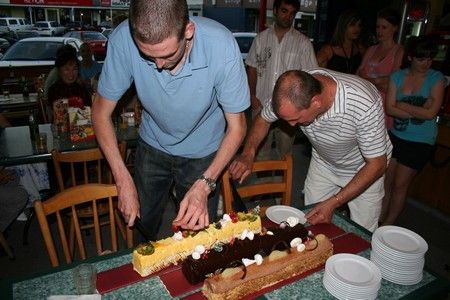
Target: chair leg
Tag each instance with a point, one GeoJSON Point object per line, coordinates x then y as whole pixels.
{"type": "Point", "coordinates": [27, 226]}
{"type": "Point", "coordinates": [6, 246]}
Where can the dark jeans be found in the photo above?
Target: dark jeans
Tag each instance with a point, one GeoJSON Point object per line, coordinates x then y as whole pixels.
{"type": "Point", "coordinates": [156, 172]}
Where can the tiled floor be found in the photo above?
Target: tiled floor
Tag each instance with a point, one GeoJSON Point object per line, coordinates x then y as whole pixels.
{"type": "Point", "coordinates": [429, 223]}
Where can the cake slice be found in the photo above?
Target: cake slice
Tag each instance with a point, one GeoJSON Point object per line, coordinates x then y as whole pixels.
{"type": "Point", "coordinates": [237, 282]}
{"type": "Point", "coordinates": [154, 256]}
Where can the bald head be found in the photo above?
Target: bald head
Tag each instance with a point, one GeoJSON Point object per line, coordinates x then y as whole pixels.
{"type": "Point", "coordinates": [296, 87]}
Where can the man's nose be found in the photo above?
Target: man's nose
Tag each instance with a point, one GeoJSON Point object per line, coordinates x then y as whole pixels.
{"type": "Point", "coordinates": [160, 62]}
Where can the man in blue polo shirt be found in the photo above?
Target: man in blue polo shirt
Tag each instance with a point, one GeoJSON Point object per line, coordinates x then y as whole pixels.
{"type": "Point", "coordinates": [190, 78]}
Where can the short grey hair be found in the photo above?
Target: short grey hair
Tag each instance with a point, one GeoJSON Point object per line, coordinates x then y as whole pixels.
{"type": "Point", "coordinates": [297, 87]}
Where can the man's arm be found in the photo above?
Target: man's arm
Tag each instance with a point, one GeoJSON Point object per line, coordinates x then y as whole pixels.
{"type": "Point", "coordinates": [102, 109]}
{"type": "Point", "coordinates": [252, 81]}
{"type": "Point", "coordinates": [241, 167]}
{"type": "Point", "coordinates": [366, 176]}
{"type": "Point", "coordinates": [193, 213]}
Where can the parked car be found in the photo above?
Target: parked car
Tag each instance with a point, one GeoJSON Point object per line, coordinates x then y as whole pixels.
{"type": "Point", "coordinates": [75, 25]}
{"type": "Point", "coordinates": [95, 39]}
{"type": "Point", "coordinates": [107, 31]}
{"type": "Point", "coordinates": [36, 51]}
{"type": "Point", "coordinates": [244, 40]}
{"type": "Point", "coordinates": [49, 28]}
{"type": "Point", "coordinates": [14, 36]}
{"type": "Point", "coordinates": [14, 24]}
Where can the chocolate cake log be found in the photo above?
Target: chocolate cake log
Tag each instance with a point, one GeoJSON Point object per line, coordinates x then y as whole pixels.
{"type": "Point", "coordinates": [223, 255]}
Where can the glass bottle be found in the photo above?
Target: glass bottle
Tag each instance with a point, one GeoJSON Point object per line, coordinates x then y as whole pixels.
{"type": "Point", "coordinates": [33, 126]}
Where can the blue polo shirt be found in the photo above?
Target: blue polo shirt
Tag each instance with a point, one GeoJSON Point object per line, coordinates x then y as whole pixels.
{"type": "Point", "coordinates": [183, 113]}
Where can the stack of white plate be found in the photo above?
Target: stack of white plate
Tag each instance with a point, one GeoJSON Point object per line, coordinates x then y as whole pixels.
{"type": "Point", "coordinates": [349, 276]}
{"type": "Point", "coordinates": [399, 253]}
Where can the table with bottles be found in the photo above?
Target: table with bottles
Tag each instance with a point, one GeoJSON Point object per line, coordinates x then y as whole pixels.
{"type": "Point", "coordinates": [17, 147]}
{"type": "Point", "coordinates": [12, 102]}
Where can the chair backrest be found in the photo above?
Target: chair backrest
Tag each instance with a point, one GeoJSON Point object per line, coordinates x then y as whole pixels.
{"type": "Point", "coordinates": [283, 186]}
{"type": "Point", "coordinates": [84, 166]}
{"type": "Point", "coordinates": [69, 202]}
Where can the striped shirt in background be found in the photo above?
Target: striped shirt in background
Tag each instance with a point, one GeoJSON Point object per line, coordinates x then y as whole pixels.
{"type": "Point", "coordinates": [351, 130]}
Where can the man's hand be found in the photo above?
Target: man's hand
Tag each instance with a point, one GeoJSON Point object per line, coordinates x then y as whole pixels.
{"type": "Point", "coordinates": [193, 213]}
{"type": "Point", "coordinates": [322, 212]}
{"type": "Point", "coordinates": [255, 103]}
{"type": "Point", "coordinates": [128, 201]}
{"type": "Point", "coordinates": [241, 167]}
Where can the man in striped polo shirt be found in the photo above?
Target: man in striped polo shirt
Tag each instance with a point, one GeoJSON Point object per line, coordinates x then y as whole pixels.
{"type": "Point", "coordinates": [342, 115]}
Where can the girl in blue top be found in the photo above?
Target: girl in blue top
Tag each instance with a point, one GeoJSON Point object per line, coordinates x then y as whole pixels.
{"type": "Point", "coordinates": [414, 98]}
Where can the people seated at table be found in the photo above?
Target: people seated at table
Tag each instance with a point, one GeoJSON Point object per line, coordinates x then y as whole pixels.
{"type": "Point", "coordinates": [382, 59]}
{"type": "Point", "coordinates": [32, 177]}
{"type": "Point", "coordinates": [89, 68]}
{"type": "Point", "coordinates": [414, 98]}
{"type": "Point", "coordinates": [68, 85]}
{"type": "Point", "coordinates": [13, 197]}
{"type": "Point", "coordinates": [345, 50]}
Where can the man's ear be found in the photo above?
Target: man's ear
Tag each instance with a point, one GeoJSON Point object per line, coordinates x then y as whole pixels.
{"type": "Point", "coordinates": [316, 102]}
{"type": "Point", "coordinates": [189, 31]}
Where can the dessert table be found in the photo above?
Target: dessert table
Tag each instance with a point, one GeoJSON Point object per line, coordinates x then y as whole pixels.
{"type": "Point", "coordinates": [117, 280]}
{"type": "Point", "coordinates": [16, 147]}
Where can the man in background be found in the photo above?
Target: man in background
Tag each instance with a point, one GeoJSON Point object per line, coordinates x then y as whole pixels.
{"type": "Point", "coordinates": [274, 51]}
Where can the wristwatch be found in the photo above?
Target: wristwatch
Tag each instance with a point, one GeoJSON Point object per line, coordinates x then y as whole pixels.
{"type": "Point", "coordinates": [211, 183]}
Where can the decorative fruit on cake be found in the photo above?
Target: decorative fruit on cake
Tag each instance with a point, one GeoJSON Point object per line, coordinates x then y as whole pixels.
{"type": "Point", "coordinates": [154, 256]}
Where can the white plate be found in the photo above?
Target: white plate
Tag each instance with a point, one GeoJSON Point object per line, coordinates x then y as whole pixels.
{"type": "Point", "coordinates": [280, 213]}
{"type": "Point", "coordinates": [401, 240]}
{"type": "Point", "coordinates": [353, 270]}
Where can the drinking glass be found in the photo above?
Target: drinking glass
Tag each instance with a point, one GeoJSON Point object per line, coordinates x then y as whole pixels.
{"type": "Point", "coordinates": [85, 279]}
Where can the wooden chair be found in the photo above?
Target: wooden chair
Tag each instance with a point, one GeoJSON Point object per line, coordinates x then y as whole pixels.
{"type": "Point", "coordinates": [70, 201]}
{"type": "Point", "coordinates": [283, 187]}
{"type": "Point", "coordinates": [88, 166]}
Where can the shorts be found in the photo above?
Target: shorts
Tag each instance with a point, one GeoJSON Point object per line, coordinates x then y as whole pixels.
{"type": "Point", "coordinates": [414, 155]}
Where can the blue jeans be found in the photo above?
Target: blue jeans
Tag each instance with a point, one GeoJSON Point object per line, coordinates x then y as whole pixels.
{"type": "Point", "coordinates": [156, 172]}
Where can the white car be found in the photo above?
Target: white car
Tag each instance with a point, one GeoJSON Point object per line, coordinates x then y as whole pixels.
{"type": "Point", "coordinates": [36, 51]}
{"type": "Point", "coordinates": [244, 40]}
{"type": "Point", "coordinates": [49, 28]}
{"type": "Point", "coordinates": [14, 24]}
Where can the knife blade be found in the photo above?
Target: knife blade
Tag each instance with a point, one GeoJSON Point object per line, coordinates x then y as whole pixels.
{"type": "Point", "coordinates": [140, 226]}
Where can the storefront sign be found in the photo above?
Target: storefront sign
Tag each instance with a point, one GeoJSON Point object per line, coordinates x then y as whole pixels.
{"type": "Point", "coordinates": [120, 3]}
{"type": "Point", "coordinates": [226, 3]}
{"type": "Point", "coordinates": [250, 3]}
{"type": "Point", "coordinates": [54, 2]}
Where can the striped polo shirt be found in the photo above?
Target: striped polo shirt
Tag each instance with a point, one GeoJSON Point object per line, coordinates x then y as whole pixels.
{"type": "Point", "coordinates": [351, 130]}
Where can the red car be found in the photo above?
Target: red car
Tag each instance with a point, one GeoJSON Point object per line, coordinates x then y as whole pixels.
{"type": "Point", "coordinates": [95, 39]}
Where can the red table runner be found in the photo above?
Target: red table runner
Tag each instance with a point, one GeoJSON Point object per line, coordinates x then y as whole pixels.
{"type": "Point", "coordinates": [177, 285]}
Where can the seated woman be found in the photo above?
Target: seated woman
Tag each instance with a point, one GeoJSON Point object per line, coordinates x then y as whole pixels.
{"type": "Point", "coordinates": [68, 85]}
{"type": "Point", "coordinates": [414, 98]}
{"type": "Point", "coordinates": [345, 50]}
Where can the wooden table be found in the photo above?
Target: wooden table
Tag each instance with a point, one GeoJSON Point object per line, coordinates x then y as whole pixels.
{"type": "Point", "coordinates": [16, 147]}
{"type": "Point", "coordinates": [117, 280]}
{"type": "Point", "coordinates": [17, 106]}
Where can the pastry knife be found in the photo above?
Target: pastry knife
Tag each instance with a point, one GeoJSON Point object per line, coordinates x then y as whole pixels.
{"type": "Point", "coordinates": [140, 226]}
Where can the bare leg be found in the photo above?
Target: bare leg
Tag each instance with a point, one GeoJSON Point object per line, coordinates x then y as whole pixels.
{"type": "Point", "coordinates": [388, 182]}
{"type": "Point", "coordinates": [402, 180]}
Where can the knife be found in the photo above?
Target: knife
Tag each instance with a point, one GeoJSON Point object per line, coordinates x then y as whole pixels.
{"type": "Point", "coordinates": [140, 226]}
